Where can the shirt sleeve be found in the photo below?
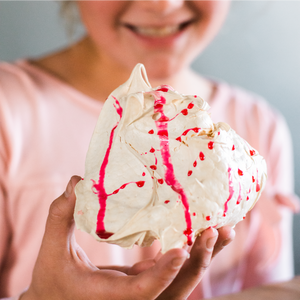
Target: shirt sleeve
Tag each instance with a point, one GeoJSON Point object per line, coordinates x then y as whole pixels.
{"type": "Point", "coordinates": [270, 257]}
{"type": "Point", "coordinates": [5, 224]}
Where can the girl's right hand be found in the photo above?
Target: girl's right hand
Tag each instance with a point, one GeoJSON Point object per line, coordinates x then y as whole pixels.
{"type": "Point", "coordinates": [63, 271]}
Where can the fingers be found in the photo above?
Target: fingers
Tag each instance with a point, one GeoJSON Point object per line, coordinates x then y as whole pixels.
{"type": "Point", "coordinates": [60, 222]}
{"type": "Point", "coordinates": [194, 268]}
{"type": "Point", "coordinates": [291, 201]}
{"type": "Point", "coordinates": [226, 236]}
{"type": "Point", "coordinates": [156, 279]}
{"type": "Point", "coordinates": [141, 266]}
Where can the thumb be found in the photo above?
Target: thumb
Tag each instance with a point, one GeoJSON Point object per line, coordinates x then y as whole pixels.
{"type": "Point", "coordinates": [60, 222]}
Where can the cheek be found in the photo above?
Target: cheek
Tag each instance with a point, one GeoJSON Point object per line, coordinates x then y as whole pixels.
{"type": "Point", "coordinates": [211, 16]}
{"type": "Point", "coordinates": [212, 13]}
{"type": "Point", "coordinates": [100, 17]}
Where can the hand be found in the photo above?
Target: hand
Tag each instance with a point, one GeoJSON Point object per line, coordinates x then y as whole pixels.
{"type": "Point", "coordinates": [63, 271]}
{"type": "Point", "coordinates": [204, 249]}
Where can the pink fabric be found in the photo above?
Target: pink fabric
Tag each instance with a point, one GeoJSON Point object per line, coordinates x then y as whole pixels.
{"type": "Point", "coordinates": [45, 128]}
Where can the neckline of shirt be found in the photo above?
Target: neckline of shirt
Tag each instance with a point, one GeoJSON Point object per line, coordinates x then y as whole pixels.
{"type": "Point", "coordinates": [220, 88]}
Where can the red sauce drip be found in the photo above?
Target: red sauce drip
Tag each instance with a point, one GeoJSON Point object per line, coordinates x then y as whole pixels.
{"type": "Point", "coordinates": [184, 112]}
{"type": "Point", "coordinates": [195, 129]}
{"type": "Point", "coordinates": [244, 218]}
{"type": "Point", "coordinates": [240, 172]}
{"type": "Point", "coordinates": [163, 133]}
{"type": "Point", "coordinates": [253, 179]}
{"type": "Point", "coordinates": [163, 119]}
{"type": "Point", "coordinates": [151, 131]}
{"type": "Point", "coordinates": [210, 145]}
{"type": "Point", "coordinates": [233, 147]}
{"type": "Point", "coordinates": [191, 105]}
{"type": "Point", "coordinates": [201, 156]}
{"type": "Point", "coordinates": [162, 89]}
{"type": "Point", "coordinates": [247, 198]}
{"type": "Point", "coordinates": [194, 214]}
{"type": "Point", "coordinates": [185, 132]}
{"type": "Point", "coordinates": [257, 184]}
{"type": "Point", "coordinates": [195, 96]}
{"type": "Point", "coordinates": [252, 152]}
{"type": "Point", "coordinates": [188, 232]}
{"type": "Point", "coordinates": [158, 106]}
{"type": "Point", "coordinates": [161, 181]}
{"type": "Point", "coordinates": [190, 173]}
{"type": "Point", "coordinates": [104, 234]}
{"type": "Point", "coordinates": [170, 178]}
{"type": "Point", "coordinates": [207, 218]}
{"type": "Point", "coordinates": [231, 191]}
{"type": "Point", "coordinates": [152, 150]}
{"type": "Point", "coordinates": [195, 164]}
{"type": "Point", "coordinates": [143, 174]}
{"type": "Point", "coordinates": [99, 187]}
{"type": "Point", "coordinates": [178, 139]}
{"type": "Point", "coordinates": [153, 167]}
{"type": "Point", "coordinates": [167, 201]}
{"type": "Point", "coordinates": [140, 183]}
{"type": "Point", "coordinates": [219, 133]}
{"type": "Point", "coordinates": [239, 199]}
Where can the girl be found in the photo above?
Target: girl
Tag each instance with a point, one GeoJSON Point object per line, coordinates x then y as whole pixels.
{"type": "Point", "coordinates": [49, 108]}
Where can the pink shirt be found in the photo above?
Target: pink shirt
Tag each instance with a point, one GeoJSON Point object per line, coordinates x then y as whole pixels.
{"type": "Point", "coordinates": [45, 129]}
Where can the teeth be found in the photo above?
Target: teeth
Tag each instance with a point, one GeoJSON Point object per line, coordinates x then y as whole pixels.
{"type": "Point", "coordinates": [157, 31]}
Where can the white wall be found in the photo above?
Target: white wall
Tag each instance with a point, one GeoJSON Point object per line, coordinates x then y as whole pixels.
{"type": "Point", "coordinates": [258, 49]}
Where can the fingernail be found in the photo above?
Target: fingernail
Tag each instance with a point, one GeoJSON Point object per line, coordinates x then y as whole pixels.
{"type": "Point", "coordinates": [69, 189]}
{"type": "Point", "coordinates": [178, 262]}
{"type": "Point", "coordinates": [211, 242]}
{"type": "Point", "coordinates": [226, 242]}
{"type": "Point", "coordinates": [229, 240]}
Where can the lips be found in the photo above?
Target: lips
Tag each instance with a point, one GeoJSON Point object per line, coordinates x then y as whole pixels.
{"type": "Point", "coordinates": [158, 31]}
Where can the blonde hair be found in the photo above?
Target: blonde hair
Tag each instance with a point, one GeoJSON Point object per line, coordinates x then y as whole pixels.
{"type": "Point", "coordinates": [70, 15]}
{"type": "Point", "coordinates": [66, 6]}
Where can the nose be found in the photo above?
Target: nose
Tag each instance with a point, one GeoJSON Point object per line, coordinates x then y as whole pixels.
{"type": "Point", "coordinates": [162, 6]}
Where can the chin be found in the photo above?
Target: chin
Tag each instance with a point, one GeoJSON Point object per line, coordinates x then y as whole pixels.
{"type": "Point", "coordinates": [162, 69]}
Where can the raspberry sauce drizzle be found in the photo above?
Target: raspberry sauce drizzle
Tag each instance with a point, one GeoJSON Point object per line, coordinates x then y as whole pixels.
{"type": "Point", "coordinates": [195, 129]}
{"type": "Point", "coordinates": [257, 184]}
{"type": "Point", "coordinates": [239, 199]}
{"type": "Point", "coordinates": [170, 179]}
{"type": "Point", "coordinates": [184, 111]}
{"type": "Point", "coordinates": [210, 145]}
{"type": "Point", "coordinates": [231, 191]}
{"type": "Point", "coordinates": [201, 156]}
{"type": "Point", "coordinates": [99, 187]}
{"type": "Point", "coordinates": [138, 183]}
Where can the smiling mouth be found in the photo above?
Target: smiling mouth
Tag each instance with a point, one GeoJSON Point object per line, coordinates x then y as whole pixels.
{"type": "Point", "coordinates": [158, 32]}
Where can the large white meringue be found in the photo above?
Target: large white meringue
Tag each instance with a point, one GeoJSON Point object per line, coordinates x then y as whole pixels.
{"type": "Point", "coordinates": [159, 168]}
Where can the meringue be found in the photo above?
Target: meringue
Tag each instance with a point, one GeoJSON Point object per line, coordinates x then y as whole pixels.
{"type": "Point", "coordinates": [159, 168]}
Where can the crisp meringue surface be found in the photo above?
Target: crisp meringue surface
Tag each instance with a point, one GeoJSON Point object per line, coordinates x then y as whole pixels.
{"type": "Point", "coordinates": [159, 168]}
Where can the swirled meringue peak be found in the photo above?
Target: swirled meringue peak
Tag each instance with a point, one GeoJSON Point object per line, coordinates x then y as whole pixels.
{"type": "Point", "coordinates": [159, 168]}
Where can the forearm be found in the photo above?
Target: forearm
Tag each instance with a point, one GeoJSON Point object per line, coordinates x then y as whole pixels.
{"type": "Point", "coordinates": [289, 290]}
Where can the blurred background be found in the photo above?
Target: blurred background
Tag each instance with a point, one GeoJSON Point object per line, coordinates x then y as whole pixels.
{"type": "Point", "coordinates": [258, 49]}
